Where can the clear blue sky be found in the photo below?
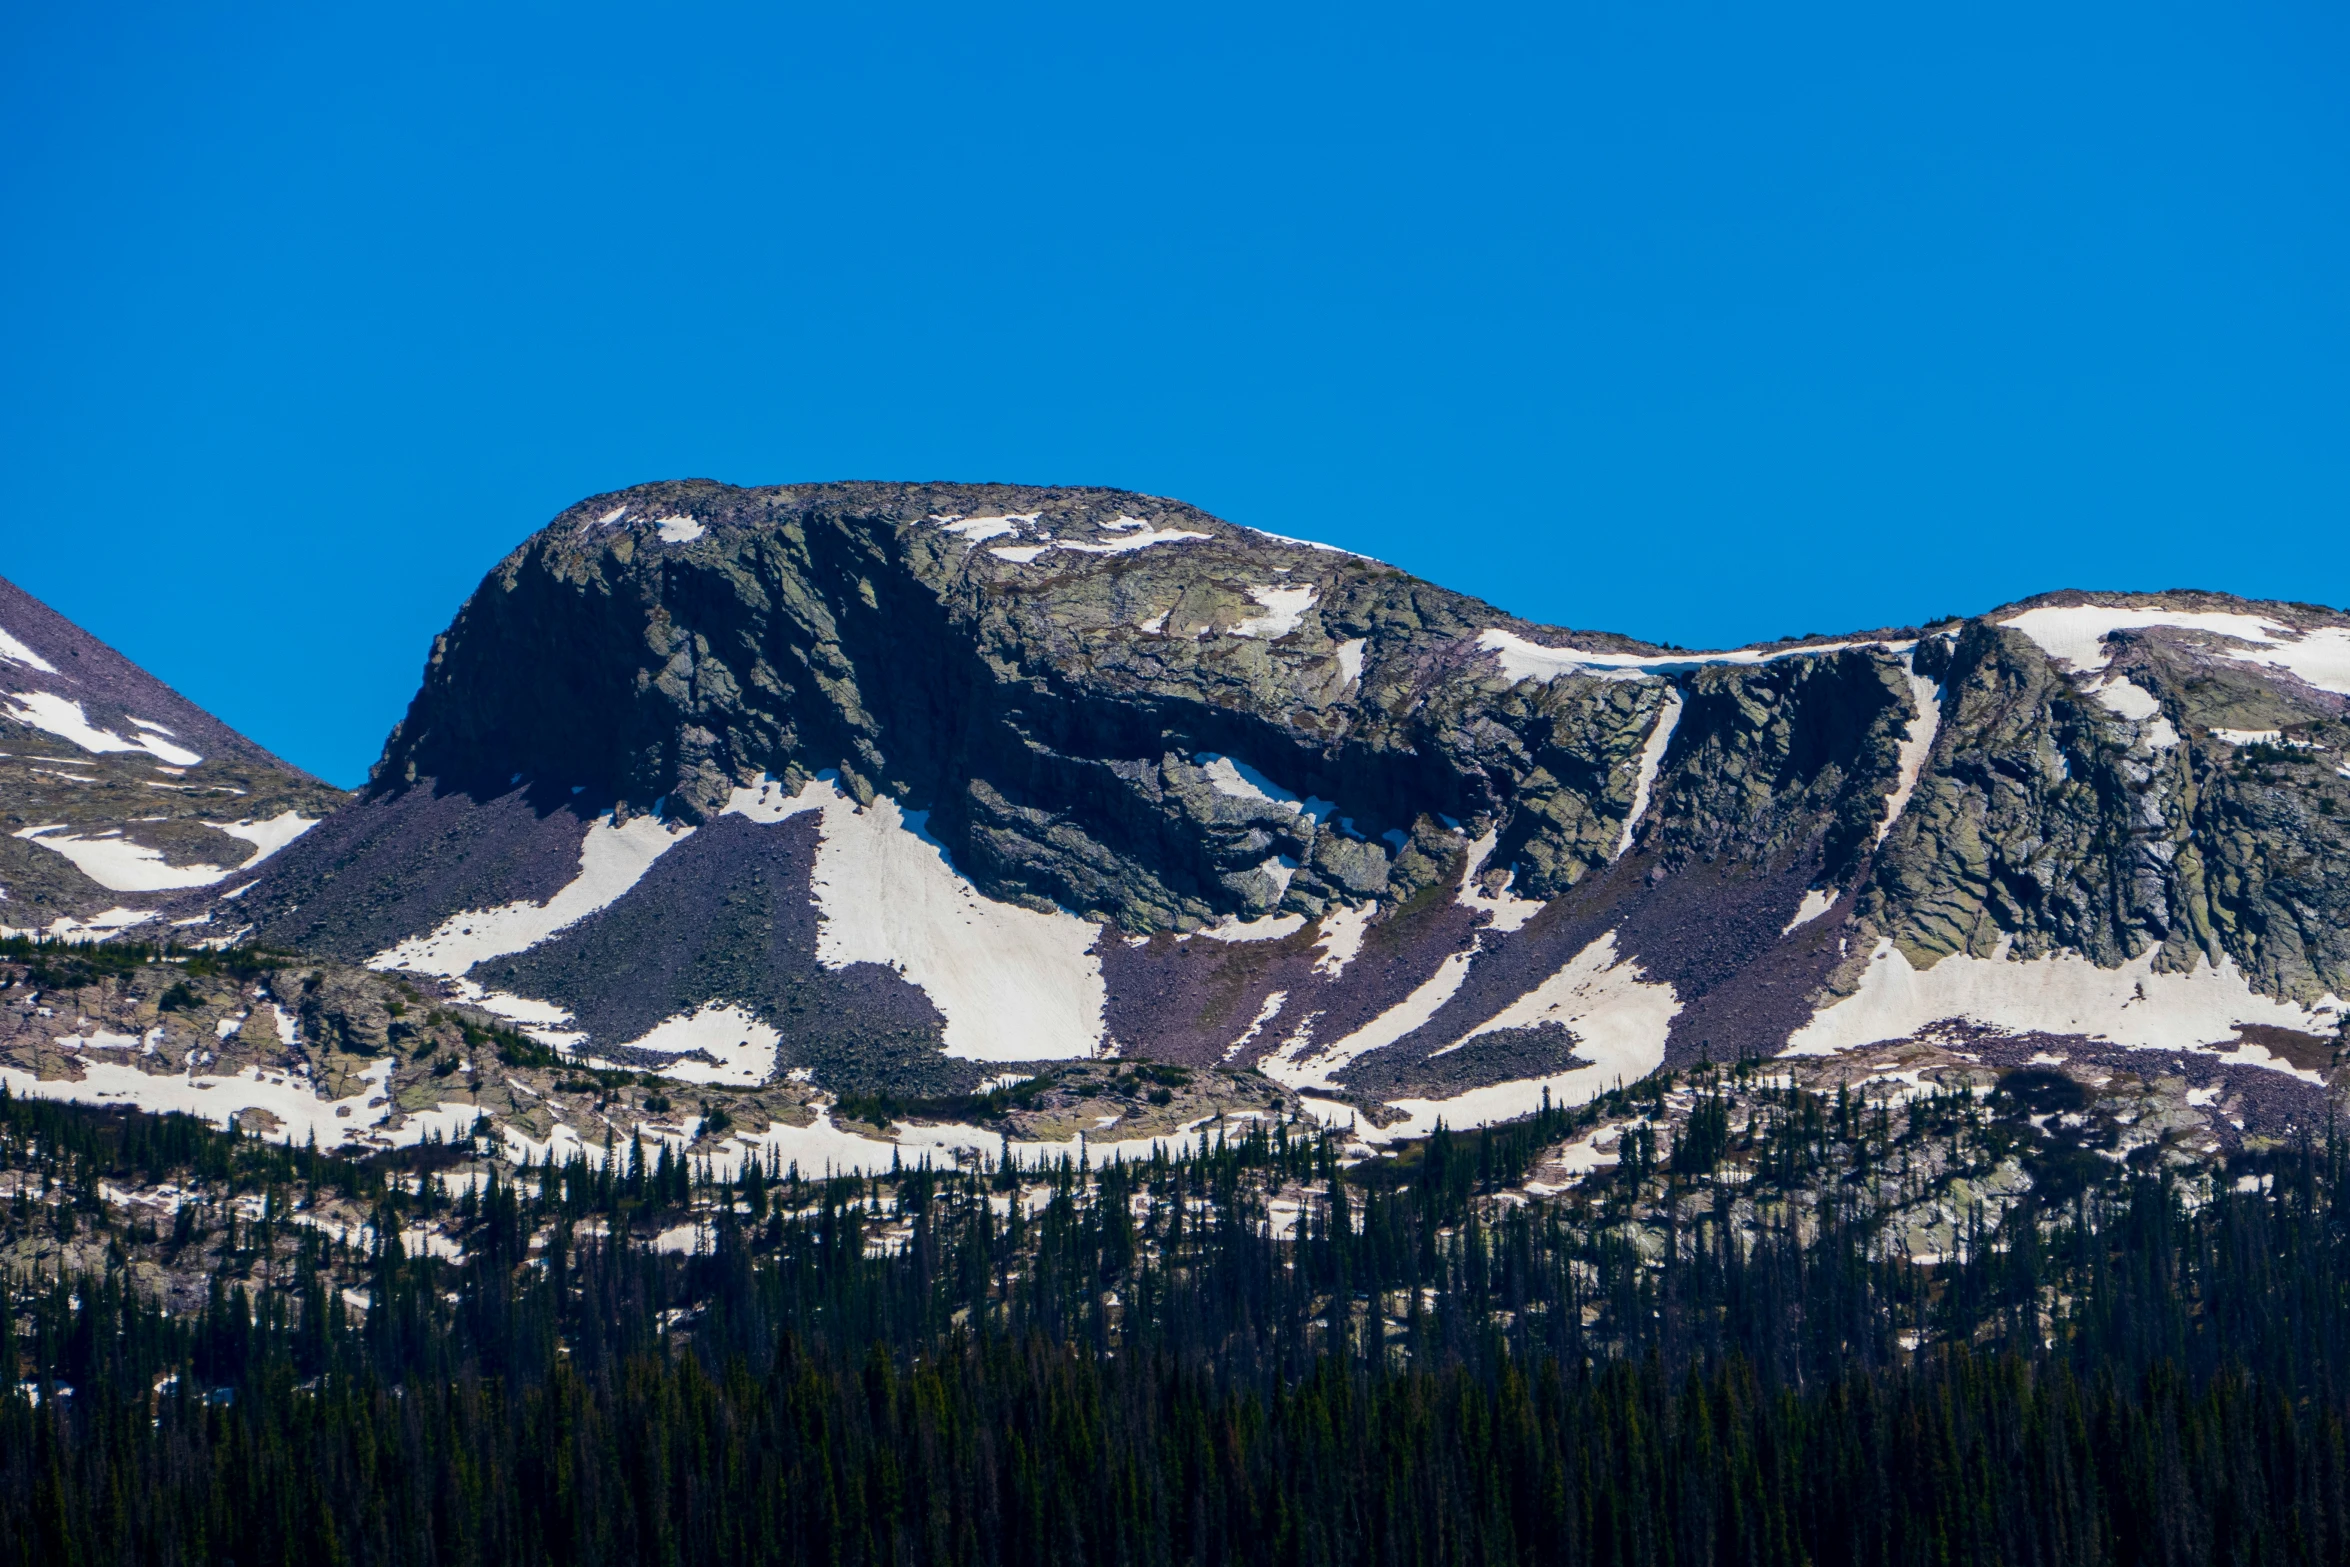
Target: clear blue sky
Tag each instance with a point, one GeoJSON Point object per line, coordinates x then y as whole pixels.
{"type": "Point", "coordinates": [1702, 324]}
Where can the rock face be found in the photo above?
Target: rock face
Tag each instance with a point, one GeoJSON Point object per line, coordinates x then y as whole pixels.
{"type": "Point", "coordinates": [120, 799]}
{"type": "Point", "coordinates": [929, 780]}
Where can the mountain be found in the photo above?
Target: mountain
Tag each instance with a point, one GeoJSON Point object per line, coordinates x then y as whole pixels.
{"type": "Point", "coordinates": [120, 799]}
{"type": "Point", "coordinates": [905, 788]}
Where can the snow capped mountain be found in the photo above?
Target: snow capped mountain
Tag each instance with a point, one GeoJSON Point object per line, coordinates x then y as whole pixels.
{"type": "Point", "coordinates": [122, 799]}
{"type": "Point", "coordinates": [897, 786]}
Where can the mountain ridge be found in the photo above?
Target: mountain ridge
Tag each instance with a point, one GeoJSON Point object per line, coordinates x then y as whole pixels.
{"type": "Point", "coordinates": [895, 789]}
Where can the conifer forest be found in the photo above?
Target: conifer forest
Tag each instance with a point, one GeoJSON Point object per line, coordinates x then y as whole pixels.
{"type": "Point", "coordinates": [1250, 1352]}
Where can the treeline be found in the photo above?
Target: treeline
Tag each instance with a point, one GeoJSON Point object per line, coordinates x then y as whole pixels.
{"type": "Point", "coordinates": [1246, 1354]}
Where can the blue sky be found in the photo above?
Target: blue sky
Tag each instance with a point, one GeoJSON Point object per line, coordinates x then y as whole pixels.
{"type": "Point", "coordinates": [1705, 324]}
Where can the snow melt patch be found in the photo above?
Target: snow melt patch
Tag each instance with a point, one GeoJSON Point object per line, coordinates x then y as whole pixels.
{"type": "Point", "coordinates": [1509, 911]}
{"type": "Point", "coordinates": [2127, 698]}
{"type": "Point", "coordinates": [1284, 609]}
{"type": "Point", "coordinates": [1917, 742]}
{"type": "Point", "coordinates": [53, 714]}
{"type": "Point", "coordinates": [1265, 927]}
{"type": "Point", "coordinates": [2123, 696]}
{"type": "Point", "coordinates": [1299, 1066]}
{"type": "Point", "coordinates": [266, 837]}
{"type": "Point", "coordinates": [1265, 1014]}
{"type": "Point", "coordinates": [1240, 781]}
{"type": "Point", "coordinates": [119, 865]}
{"type": "Point", "coordinates": [1815, 903]}
{"type": "Point", "coordinates": [1618, 1018]}
{"type": "Point", "coordinates": [1133, 534]}
{"type": "Point", "coordinates": [2249, 736]}
{"type": "Point", "coordinates": [680, 530]}
{"type": "Point", "coordinates": [301, 1113]}
{"type": "Point", "coordinates": [15, 652]}
{"type": "Point", "coordinates": [743, 1045]}
{"type": "Point", "coordinates": [1130, 543]}
{"type": "Point", "coordinates": [1014, 984]}
{"type": "Point", "coordinates": [1652, 757]}
{"type": "Point", "coordinates": [611, 860]}
{"type": "Point", "coordinates": [1619, 1021]}
{"type": "Point", "coordinates": [1350, 660]}
{"type": "Point", "coordinates": [98, 927]}
{"type": "Point", "coordinates": [1341, 939]}
{"type": "Point", "coordinates": [2075, 634]}
{"type": "Point", "coordinates": [824, 1146]}
{"type": "Point", "coordinates": [2321, 657]}
{"type": "Point", "coordinates": [2064, 993]}
{"type": "Point", "coordinates": [1521, 659]}
{"type": "Point", "coordinates": [978, 530]}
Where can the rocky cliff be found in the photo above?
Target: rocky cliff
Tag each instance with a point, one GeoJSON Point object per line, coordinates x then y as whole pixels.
{"type": "Point", "coordinates": [907, 786]}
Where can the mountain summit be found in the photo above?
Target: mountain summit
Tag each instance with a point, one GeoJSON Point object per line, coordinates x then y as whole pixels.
{"type": "Point", "coordinates": [892, 788]}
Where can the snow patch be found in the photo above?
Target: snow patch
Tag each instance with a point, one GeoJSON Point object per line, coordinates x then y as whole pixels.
{"type": "Point", "coordinates": [1265, 1014]}
{"type": "Point", "coordinates": [1240, 781]}
{"type": "Point", "coordinates": [823, 1146]}
{"type": "Point", "coordinates": [2064, 993]}
{"type": "Point", "coordinates": [2075, 634]}
{"type": "Point", "coordinates": [612, 859]}
{"type": "Point", "coordinates": [1265, 927]}
{"type": "Point", "coordinates": [978, 530]}
{"type": "Point", "coordinates": [2321, 657]}
{"type": "Point", "coordinates": [1618, 1018]}
{"type": "Point", "coordinates": [1297, 1065]}
{"type": "Point", "coordinates": [680, 530]}
{"type": "Point", "coordinates": [119, 865]}
{"type": "Point", "coordinates": [1350, 660]}
{"type": "Point", "coordinates": [98, 927]}
{"type": "Point", "coordinates": [1131, 542]}
{"type": "Point", "coordinates": [1815, 903]}
{"type": "Point", "coordinates": [2127, 698]}
{"type": "Point", "coordinates": [1284, 608]}
{"type": "Point", "coordinates": [1341, 939]}
{"type": "Point", "coordinates": [1652, 757]}
{"type": "Point", "coordinates": [1521, 659]}
{"type": "Point", "coordinates": [53, 714]}
{"type": "Point", "coordinates": [1014, 984]}
{"type": "Point", "coordinates": [1509, 911]}
{"type": "Point", "coordinates": [266, 837]}
{"type": "Point", "coordinates": [2249, 736]}
{"type": "Point", "coordinates": [1917, 742]}
{"type": "Point", "coordinates": [15, 652]}
{"type": "Point", "coordinates": [300, 1111]}
{"type": "Point", "coordinates": [744, 1046]}
{"type": "Point", "coordinates": [1311, 544]}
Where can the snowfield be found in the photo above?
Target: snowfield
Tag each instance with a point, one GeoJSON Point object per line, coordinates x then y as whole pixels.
{"type": "Point", "coordinates": [611, 860]}
{"type": "Point", "coordinates": [2064, 994]}
{"type": "Point", "coordinates": [1014, 984]}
